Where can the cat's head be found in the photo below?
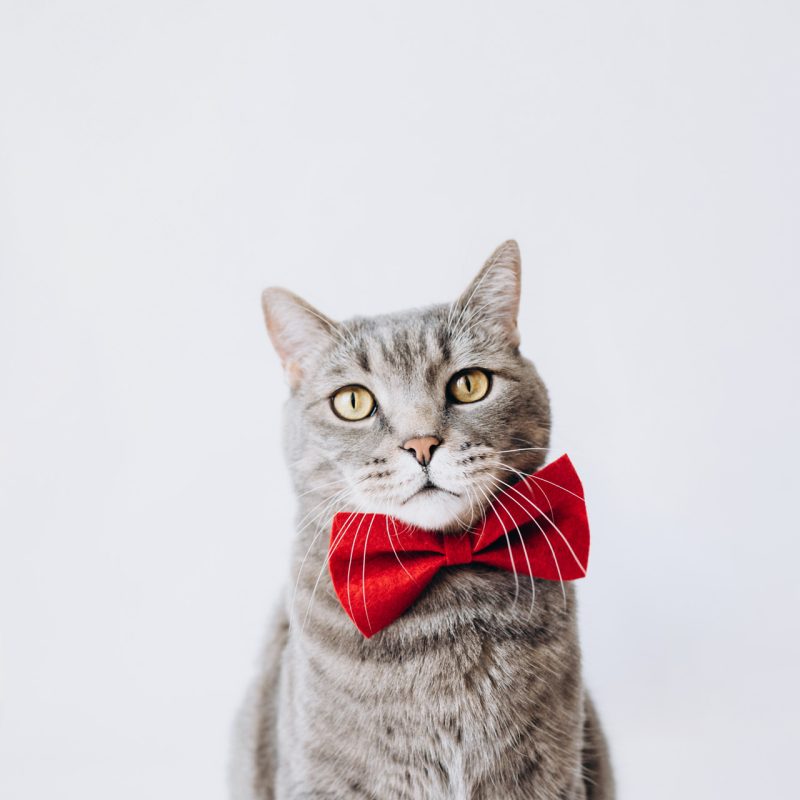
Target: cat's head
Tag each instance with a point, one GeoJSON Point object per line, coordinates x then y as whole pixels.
{"type": "Point", "coordinates": [423, 415]}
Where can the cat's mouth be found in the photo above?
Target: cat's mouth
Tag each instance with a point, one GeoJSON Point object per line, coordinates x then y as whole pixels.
{"type": "Point", "coordinates": [428, 488]}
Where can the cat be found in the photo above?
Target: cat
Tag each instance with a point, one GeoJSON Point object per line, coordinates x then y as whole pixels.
{"type": "Point", "coordinates": [468, 695]}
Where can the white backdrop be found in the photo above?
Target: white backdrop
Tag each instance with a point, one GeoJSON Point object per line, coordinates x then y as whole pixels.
{"type": "Point", "coordinates": [162, 162]}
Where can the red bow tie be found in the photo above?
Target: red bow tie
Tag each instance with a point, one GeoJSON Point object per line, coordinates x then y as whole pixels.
{"type": "Point", "coordinates": [537, 527]}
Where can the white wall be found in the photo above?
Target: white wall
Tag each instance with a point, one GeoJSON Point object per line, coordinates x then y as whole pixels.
{"type": "Point", "coordinates": [162, 162]}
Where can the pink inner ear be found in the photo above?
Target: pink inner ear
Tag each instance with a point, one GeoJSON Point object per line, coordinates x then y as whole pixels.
{"type": "Point", "coordinates": [293, 373]}
{"type": "Point", "coordinates": [275, 331]}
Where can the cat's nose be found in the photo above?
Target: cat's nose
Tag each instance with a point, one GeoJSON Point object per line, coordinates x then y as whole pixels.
{"type": "Point", "coordinates": [422, 447]}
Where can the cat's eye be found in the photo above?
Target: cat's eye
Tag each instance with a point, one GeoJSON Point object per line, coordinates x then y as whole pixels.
{"type": "Point", "coordinates": [353, 403]}
{"type": "Point", "coordinates": [469, 385]}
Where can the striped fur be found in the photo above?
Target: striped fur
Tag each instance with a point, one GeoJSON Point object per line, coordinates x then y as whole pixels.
{"type": "Point", "coordinates": [476, 691]}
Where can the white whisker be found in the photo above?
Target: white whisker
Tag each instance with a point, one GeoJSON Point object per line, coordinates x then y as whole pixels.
{"type": "Point", "coordinates": [549, 544]}
{"type": "Point", "coordinates": [524, 551]}
{"type": "Point", "coordinates": [321, 486]}
{"type": "Point", "coordinates": [325, 561]}
{"type": "Point", "coordinates": [549, 519]}
{"type": "Point", "coordinates": [350, 566]}
{"type": "Point", "coordinates": [510, 553]}
{"type": "Point", "coordinates": [337, 498]}
{"type": "Point", "coordinates": [394, 550]}
{"type": "Point", "coordinates": [364, 570]}
{"type": "Point", "coordinates": [521, 449]}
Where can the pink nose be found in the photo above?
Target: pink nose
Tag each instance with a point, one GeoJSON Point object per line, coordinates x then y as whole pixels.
{"type": "Point", "coordinates": [422, 447]}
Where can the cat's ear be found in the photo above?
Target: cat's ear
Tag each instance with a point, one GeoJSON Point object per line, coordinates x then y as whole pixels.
{"type": "Point", "coordinates": [297, 330]}
{"type": "Point", "coordinates": [493, 296]}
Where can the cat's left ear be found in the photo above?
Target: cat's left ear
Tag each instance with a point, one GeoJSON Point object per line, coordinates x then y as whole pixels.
{"type": "Point", "coordinates": [298, 331]}
{"type": "Point", "coordinates": [493, 296]}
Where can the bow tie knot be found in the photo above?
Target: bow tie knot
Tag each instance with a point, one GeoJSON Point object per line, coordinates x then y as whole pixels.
{"type": "Point", "coordinates": [538, 527]}
{"type": "Point", "coordinates": [457, 549]}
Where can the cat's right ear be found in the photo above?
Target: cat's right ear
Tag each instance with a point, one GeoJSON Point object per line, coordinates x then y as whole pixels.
{"type": "Point", "coordinates": [493, 296]}
{"type": "Point", "coordinates": [297, 330]}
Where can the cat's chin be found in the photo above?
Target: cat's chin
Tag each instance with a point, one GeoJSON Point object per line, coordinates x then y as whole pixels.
{"type": "Point", "coordinates": [436, 511]}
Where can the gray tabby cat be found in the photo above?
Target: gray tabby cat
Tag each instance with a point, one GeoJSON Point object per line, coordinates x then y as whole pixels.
{"type": "Point", "coordinates": [468, 694]}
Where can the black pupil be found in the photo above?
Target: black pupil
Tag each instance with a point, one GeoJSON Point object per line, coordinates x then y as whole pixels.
{"type": "Point", "coordinates": [353, 400]}
{"type": "Point", "coordinates": [468, 384]}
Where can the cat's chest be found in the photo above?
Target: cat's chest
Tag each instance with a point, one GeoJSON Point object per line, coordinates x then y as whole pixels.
{"type": "Point", "coordinates": [436, 723]}
{"type": "Point", "coordinates": [454, 664]}
{"type": "Point", "coordinates": [440, 698]}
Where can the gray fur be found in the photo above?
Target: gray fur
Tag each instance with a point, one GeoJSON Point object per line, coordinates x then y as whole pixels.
{"type": "Point", "coordinates": [471, 693]}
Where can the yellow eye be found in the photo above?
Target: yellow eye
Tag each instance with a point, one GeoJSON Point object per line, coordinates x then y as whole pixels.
{"type": "Point", "coordinates": [353, 403]}
{"type": "Point", "coordinates": [469, 386]}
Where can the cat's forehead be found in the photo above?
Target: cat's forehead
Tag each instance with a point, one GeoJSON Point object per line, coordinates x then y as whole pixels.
{"type": "Point", "coordinates": [410, 344]}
